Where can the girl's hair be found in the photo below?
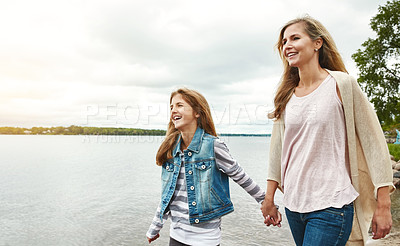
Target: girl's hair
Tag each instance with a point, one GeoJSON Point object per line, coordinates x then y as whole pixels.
{"type": "Point", "coordinates": [329, 58]}
{"type": "Point", "coordinates": [205, 121]}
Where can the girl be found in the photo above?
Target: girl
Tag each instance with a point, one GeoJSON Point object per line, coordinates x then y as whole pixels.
{"type": "Point", "coordinates": [327, 148]}
{"type": "Point", "coordinates": [195, 170]}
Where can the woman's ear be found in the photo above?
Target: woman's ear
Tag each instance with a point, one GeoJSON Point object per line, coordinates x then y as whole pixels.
{"type": "Point", "coordinates": [197, 115]}
{"type": "Point", "coordinates": [318, 43]}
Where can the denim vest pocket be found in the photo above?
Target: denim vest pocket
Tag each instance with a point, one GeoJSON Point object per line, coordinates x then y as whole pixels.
{"type": "Point", "coordinates": [203, 170]}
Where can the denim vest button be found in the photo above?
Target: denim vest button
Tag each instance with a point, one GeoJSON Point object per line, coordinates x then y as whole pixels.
{"type": "Point", "coordinates": [194, 203]}
{"type": "Point", "coordinates": [203, 167]}
{"type": "Point", "coordinates": [190, 172]}
{"type": "Point", "coordinates": [196, 221]}
{"type": "Point", "coordinates": [189, 153]}
{"type": "Point", "coordinates": [167, 167]}
{"type": "Point", "coordinates": [192, 187]}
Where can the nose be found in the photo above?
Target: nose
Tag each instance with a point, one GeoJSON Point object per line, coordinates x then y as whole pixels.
{"type": "Point", "coordinates": [286, 47]}
{"type": "Point", "coordinates": [173, 109]}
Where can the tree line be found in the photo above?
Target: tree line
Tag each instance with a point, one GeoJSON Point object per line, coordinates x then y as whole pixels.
{"type": "Point", "coordinates": [79, 130]}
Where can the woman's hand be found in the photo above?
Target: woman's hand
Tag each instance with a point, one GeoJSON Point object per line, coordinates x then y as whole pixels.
{"type": "Point", "coordinates": [154, 238]}
{"type": "Point", "coordinates": [271, 214]}
{"type": "Point", "coordinates": [382, 219]}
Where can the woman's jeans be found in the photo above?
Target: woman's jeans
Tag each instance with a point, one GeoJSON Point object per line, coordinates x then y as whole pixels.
{"type": "Point", "coordinates": [330, 226]}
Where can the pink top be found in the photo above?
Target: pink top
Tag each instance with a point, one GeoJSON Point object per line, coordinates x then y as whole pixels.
{"type": "Point", "coordinates": [315, 166]}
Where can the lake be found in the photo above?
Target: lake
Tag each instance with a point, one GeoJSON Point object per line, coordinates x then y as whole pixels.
{"type": "Point", "coordinates": [104, 190]}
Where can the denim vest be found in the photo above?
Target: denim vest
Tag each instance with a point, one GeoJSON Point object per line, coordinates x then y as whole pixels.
{"type": "Point", "coordinates": [207, 187]}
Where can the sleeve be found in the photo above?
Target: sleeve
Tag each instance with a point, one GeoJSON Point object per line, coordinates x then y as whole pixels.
{"type": "Point", "coordinates": [156, 225]}
{"type": "Point", "coordinates": [228, 165]}
{"type": "Point", "coordinates": [275, 152]}
{"type": "Point", "coordinates": [372, 140]}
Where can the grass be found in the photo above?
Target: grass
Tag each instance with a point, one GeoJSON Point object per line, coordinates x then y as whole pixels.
{"type": "Point", "coordinates": [394, 150]}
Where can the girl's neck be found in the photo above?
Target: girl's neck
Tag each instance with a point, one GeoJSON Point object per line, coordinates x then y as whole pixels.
{"type": "Point", "coordinates": [186, 139]}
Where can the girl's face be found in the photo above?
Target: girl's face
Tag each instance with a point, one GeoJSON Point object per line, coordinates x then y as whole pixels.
{"type": "Point", "coordinates": [183, 115]}
{"type": "Point", "coordinates": [297, 46]}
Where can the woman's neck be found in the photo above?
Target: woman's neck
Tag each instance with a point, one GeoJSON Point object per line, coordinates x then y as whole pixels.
{"type": "Point", "coordinates": [309, 75]}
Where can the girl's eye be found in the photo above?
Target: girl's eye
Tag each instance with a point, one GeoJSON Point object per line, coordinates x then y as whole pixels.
{"type": "Point", "coordinates": [295, 38]}
{"type": "Point", "coordinates": [284, 42]}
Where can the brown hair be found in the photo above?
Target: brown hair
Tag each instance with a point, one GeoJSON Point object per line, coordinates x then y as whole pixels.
{"type": "Point", "coordinates": [200, 105]}
{"type": "Point", "coordinates": [329, 58]}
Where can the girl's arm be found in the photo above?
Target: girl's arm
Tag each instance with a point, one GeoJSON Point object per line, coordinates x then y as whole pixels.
{"type": "Point", "coordinates": [156, 225]}
{"type": "Point", "coordinates": [230, 167]}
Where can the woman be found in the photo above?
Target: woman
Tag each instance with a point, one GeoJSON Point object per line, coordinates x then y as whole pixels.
{"type": "Point", "coordinates": [195, 170]}
{"type": "Point", "coordinates": [328, 153]}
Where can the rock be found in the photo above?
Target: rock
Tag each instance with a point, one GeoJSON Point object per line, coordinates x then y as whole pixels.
{"type": "Point", "coordinates": [397, 166]}
{"type": "Point", "coordinates": [393, 164]}
{"type": "Point", "coordinates": [396, 182]}
{"type": "Point", "coordinates": [396, 175]}
{"type": "Point", "coordinates": [391, 158]}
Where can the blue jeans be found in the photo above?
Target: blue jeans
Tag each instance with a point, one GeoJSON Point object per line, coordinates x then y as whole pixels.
{"type": "Point", "coordinates": [330, 226]}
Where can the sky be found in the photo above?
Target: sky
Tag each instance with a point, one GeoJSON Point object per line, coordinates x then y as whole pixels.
{"type": "Point", "coordinates": [114, 63]}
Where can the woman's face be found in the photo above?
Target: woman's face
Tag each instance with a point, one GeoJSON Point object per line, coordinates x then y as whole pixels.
{"type": "Point", "coordinates": [183, 115]}
{"type": "Point", "coordinates": [297, 46]}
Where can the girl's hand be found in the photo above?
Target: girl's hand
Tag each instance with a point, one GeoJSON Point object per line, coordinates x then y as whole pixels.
{"type": "Point", "coordinates": [271, 214]}
{"type": "Point", "coordinates": [154, 238]}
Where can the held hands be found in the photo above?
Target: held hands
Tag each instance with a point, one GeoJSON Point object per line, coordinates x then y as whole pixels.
{"type": "Point", "coordinates": [271, 214]}
{"type": "Point", "coordinates": [153, 239]}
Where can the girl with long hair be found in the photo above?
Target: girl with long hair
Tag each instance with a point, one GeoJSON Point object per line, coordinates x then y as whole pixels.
{"type": "Point", "coordinates": [328, 153]}
{"type": "Point", "coordinates": [196, 166]}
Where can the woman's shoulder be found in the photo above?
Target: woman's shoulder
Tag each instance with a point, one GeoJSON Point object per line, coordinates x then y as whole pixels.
{"type": "Point", "coordinates": [342, 78]}
{"type": "Point", "coordinates": [339, 75]}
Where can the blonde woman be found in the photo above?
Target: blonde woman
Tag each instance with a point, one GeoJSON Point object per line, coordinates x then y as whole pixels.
{"type": "Point", "coordinates": [196, 167]}
{"type": "Point", "coordinates": [328, 153]}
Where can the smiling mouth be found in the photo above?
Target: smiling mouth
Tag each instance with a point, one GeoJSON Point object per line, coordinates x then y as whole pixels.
{"type": "Point", "coordinates": [291, 54]}
{"type": "Point", "coordinates": [177, 118]}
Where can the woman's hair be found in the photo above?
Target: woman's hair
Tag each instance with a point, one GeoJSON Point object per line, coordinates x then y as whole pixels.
{"type": "Point", "coordinates": [329, 58]}
{"type": "Point", "coordinates": [205, 121]}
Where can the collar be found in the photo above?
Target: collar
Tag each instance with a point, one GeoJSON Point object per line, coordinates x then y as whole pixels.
{"type": "Point", "coordinates": [194, 145]}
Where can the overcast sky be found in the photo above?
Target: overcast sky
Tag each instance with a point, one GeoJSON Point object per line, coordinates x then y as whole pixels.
{"type": "Point", "coordinates": [114, 63]}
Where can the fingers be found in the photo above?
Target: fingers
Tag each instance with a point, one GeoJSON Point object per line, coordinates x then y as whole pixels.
{"type": "Point", "coordinates": [273, 220]}
{"type": "Point", "coordinates": [154, 238]}
{"type": "Point", "coordinates": [380, 231]}
{"type": "Point", "coordinates": [373, 227]}
{"type": "Point", "coordinates": [269, 221]}
{"type": "Point", "coordinates": [279, 220]}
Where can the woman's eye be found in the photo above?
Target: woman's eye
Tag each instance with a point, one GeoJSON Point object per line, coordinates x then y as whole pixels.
{"type": "Point", "coordinates": [295, 38]}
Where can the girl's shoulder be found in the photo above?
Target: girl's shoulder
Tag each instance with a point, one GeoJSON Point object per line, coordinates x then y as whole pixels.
{"type": "Point", "coordinates": [220, 145]}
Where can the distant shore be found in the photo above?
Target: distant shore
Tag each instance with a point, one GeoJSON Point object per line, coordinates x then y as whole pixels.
{"type": "Point", "coordinates": [88, 130]}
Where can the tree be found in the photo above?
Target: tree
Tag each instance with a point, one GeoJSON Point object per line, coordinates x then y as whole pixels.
{"type": "Point", "coordinates": [379, 63]}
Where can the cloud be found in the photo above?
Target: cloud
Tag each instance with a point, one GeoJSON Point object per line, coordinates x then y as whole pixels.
{"type": "Point", "coordinates": [61, 57]}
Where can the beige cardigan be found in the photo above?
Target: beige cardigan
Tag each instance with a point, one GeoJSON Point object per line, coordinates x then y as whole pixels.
{"type": "Point", "coordinates": [368, 154]}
